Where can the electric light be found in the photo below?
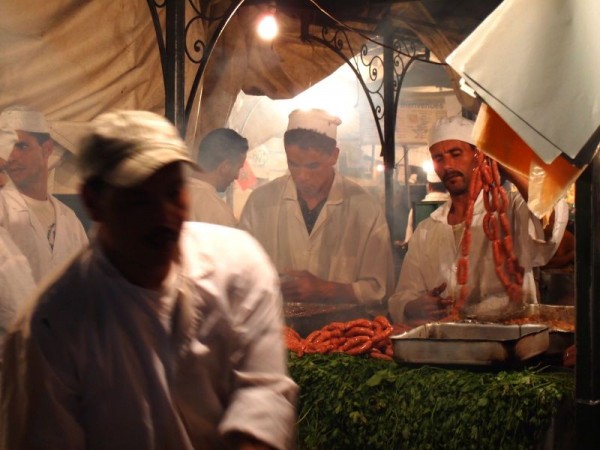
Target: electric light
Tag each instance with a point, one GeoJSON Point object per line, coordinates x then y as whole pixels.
{"type": "Point", "coordinates": [268, 27]}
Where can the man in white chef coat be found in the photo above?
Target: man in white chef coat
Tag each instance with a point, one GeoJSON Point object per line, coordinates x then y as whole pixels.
{"type": "Point", "coordinates": [221, 155]}
{"type": "Point", "coordinates": [324, 232]}
{"type": "Point", "coordinates": [16, 281]}
{"type": "Point", "coordinates": [46, 231]}
{"type": "Point", "coordinates": [161, 334]}
{"type": "Point", "coordinates": [428, 277]}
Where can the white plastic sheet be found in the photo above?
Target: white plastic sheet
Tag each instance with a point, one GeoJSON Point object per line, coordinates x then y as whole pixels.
{"type": "Point", "coordinates": [537, 64]}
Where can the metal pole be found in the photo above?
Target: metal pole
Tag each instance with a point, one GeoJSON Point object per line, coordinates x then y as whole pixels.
{"type": "Point", "coordinates": [389, 125]}
{"type": "Point", "coordinates": [587, 337]}
{"type": "Point", "coordinates": [175, 64]}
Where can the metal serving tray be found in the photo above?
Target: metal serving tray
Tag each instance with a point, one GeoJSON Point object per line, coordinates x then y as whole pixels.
{"type": "Point", "coordinates": [458, 343]}
{"type": "Point", "coordinates": [561, 323]}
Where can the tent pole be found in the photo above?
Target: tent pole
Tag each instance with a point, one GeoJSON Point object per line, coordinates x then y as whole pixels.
{"type": "Point", "coordinates": [174, 69]}
{"type": "Point", "coordinates": [587, 293]}
{"type": "Point", "coordinates": [389, 124]}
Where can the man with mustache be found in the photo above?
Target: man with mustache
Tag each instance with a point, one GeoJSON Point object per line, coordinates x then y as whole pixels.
{"type": "Point", "coordinates": [46, 230]}
{"type": "Point", "coordinates": [161, 334]}
{"type": "Point", "coordinates": [324, 232]}
{"type": "Point", "coordinates": [428, 278]}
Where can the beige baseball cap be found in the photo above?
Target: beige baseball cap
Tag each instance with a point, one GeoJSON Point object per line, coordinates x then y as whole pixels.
{"type": "Point", "coordinates": [455, 127]}
{"type": "Point", "coordinates": [124, 148]}
{"type": "Point", "coordinates": [315, 120]}
{"type": "Point", "coordinates": [23, 118]}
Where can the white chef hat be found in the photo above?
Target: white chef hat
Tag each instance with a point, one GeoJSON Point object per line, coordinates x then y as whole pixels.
{"type": "Point", "coordinates": [124, 148]}
{"type": "Point", "coordinates": [315, 120]}
{"type": "Point", "coordinates": [456, 127]}
{"type": "Point", "coordinates": [8, 139]}
{"type": "Point", "coordinates": [432, 177]}
{"type": "Point", "coordinates": [23, 118]}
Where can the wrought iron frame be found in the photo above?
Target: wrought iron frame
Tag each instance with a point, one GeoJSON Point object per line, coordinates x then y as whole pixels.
{"type": "Point", "coordinates": [382, 90]}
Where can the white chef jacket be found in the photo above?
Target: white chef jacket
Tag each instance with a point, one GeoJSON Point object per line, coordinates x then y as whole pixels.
{"type": "Point", "coordinates": [99, 369]}
{"type": "Point", "coordinates": [16, 282]}
{"type": "Point", "coordinates": [433, 253]}
{"type": "Point", "coordinates": [30, 236]}
{"type": "Point", "coordinates": [350, 242]}
{"type": "Point", "coordinates": [430, 197]}
{"type": "Point", "coordinates": [207, 206]}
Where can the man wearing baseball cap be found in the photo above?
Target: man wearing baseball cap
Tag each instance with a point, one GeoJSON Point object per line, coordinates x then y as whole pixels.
{"type": "Point", "coordinates": [46, 230]}
{"type": "Point", "coordinates": [160, 334]}
{"type": "Point", "coordinates": [428, 278]}
{"type": "Point", "coordinates": [324, 232]}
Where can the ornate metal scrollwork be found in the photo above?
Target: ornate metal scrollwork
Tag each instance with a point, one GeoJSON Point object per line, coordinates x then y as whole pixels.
{"type": "Point", "coordinates": [370, 58]}
{"type": "Point", "coordinates": [197, 49]}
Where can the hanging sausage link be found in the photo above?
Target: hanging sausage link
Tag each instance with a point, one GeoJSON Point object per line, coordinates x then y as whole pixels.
{"type": "Point", "coordinates": [496, 226]}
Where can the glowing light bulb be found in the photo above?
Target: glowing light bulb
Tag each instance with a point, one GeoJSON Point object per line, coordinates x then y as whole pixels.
{"type": "Point", "coordinates": [268, 27]}
{"type": "Point", "coordinates": [428, 166]}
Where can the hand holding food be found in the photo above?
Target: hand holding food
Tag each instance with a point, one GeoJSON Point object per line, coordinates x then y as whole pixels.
{"type": "Point", "coordinates": [300, 286]}
{"type": "Point", "coordinates": [429, 306]}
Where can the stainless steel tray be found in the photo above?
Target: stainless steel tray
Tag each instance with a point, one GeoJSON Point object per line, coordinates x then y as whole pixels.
{"type": "Point", "coordinates": [561, 323]}
{"type": "Point", "coordinates": [458, 343]}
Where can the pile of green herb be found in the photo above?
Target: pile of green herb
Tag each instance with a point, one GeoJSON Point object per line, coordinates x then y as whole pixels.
{"type": "Point", "coordinates": [350, 402]}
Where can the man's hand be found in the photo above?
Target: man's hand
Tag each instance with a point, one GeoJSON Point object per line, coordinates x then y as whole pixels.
{"type": "Point", "coordinates": [301, 286]}
{"type": "Point", "coordinates": [428, 307]}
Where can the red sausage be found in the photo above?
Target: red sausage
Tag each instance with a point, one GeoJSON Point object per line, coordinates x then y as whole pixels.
{"type": "Point", "coordinates": [465, 244]}
{"type": "Point", "coordinates": [469, 215]}
{"type": "Point", "coordinates": [380, 356]}
{"type": "Point", "coordinates": [382, 320]}
{"type": "Point", "coordinates": [358, 323]}
{"type": "Point", "coordinates": [502, 276]}
{"type": "Point", "coordinates": [360, 349]}
{"type": "Point", "coordinates": [359, 331]}
{"type": "Point", "coordinates": [505, 223]}
{"type": "Point", "coordinates": [508, 244]}
{"type": "Point", "coordinates": [475, 184]}
{"type": "Point", "coordinates": [494, 202]}
{"type": "Point", "coordinates": [498, 252]}
{"type": "Point", "coordinates": [494, 228]}
{"type": "Point", "coordinates": [486, 202]}
{"type": "Point", "coordinates": [462, 270]}
{"type": "Point", "coordinates": [504, 206]}
{"type": "Point", "coordinates": [486, 174]}
{"type": "Point", "coordinates": [354, 342]}
{"type": "Point", "coordinates": [496, 173]}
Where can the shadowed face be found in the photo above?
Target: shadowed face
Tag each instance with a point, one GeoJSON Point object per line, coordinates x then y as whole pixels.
{"type": "Point", "coordinates": [141, 224]}
{"type": "Point", "coordinates": [230, 171]}
{"type": "Point", "coordinates": [453, 162]}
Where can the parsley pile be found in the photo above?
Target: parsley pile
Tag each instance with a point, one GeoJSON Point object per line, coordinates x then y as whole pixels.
{"type": "Point", "coordinates": [351, 402]}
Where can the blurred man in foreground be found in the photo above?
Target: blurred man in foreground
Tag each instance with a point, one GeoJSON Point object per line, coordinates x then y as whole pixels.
{"type": "Point", "coordinates": [428, 282]}
{"type": "Point", "coordinates": [46, 230]}
{"type": "Point", "coordinates": [160, 334]}
{"type": "Point", "coordinates": [323, 231]}
{"type": "Point", "coordinates": [221, 155]}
